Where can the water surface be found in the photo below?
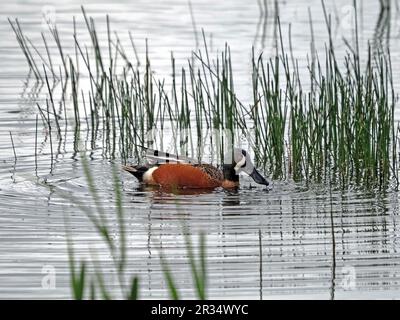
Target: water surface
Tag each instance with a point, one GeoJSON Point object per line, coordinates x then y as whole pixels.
{"type": "Point", "coordinates": [294, 241]}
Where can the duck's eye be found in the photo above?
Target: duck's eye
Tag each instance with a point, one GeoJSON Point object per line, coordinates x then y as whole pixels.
{"type": "Point", "coordinates": [244, 152]}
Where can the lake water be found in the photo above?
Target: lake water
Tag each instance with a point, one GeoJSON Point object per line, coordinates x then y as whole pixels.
{"type": "Point", "coordinates": [290, 242]}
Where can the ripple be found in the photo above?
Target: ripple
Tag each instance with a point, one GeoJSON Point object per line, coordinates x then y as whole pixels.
{"type": "Point", "coordinates": [294, 241]}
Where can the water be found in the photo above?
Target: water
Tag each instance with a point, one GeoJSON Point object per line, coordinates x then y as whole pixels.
{"type": "Point", "coordinates": [291, 242]}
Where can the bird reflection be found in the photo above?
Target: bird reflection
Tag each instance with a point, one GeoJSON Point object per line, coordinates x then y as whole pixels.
{"type": "Point", "coordinates": [231, 198]}
{"type": "Point", "coordinates": [166, 194]}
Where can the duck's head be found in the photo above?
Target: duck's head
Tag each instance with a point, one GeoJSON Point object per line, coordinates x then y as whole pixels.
{"type": "Point", "coordinates": [238, 160]}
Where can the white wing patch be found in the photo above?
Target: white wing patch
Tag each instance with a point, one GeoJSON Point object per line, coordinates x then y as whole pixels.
{"type": "Point", "coordinates": [159, 157]}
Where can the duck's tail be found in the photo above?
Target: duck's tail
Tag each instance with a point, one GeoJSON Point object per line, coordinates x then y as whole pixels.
{"type": "Point", "coordinates": [136, 170]}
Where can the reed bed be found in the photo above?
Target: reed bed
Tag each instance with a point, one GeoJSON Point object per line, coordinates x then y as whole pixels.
{"type": "Point", "coordinates": [341, 130]}
{"type": "Point", "coordinates": [333, 125]}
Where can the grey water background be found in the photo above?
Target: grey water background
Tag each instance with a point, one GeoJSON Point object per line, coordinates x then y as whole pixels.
{"type": "Point", "coordinates": [292, 242]}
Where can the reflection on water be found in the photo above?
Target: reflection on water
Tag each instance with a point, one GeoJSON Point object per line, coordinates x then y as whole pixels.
{"type": "Point", "coordinates": [293, 241]}
{"type": "Point", "coordinates": [382, 30]}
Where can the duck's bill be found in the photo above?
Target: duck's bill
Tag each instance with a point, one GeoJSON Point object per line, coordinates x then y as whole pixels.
{"type": "Point", "coordinates": [258, 178]}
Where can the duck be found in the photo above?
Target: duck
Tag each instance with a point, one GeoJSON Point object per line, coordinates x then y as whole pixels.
{"type": "Point", "coordinates": [171, 171]}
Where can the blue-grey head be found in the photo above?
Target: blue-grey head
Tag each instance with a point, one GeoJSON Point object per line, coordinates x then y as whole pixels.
{"type": "Point", "coordinates": [237, 161]}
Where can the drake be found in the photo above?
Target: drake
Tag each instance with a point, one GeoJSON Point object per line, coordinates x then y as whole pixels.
{"type": "Point", "coordinates": [172, 171]}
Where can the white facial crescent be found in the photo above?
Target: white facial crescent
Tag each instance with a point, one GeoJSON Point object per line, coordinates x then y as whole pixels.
{"type": "Point", "coordinates": [240, 164]}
